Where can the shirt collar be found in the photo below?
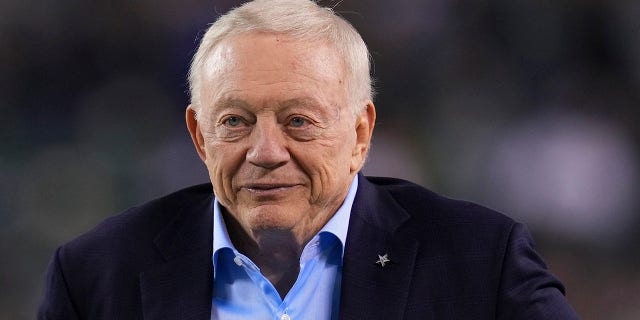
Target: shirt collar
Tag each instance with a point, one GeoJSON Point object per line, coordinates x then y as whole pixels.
{"type": "Point", "coordinates": [337, 225]}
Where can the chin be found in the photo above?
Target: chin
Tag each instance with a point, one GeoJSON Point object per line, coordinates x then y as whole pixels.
{"type": "Point", "coordinates": [272, 218]}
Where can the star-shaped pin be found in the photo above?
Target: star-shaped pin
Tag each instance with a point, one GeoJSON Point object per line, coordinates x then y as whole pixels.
{"type": "Point", "coordinates": [383, 260]}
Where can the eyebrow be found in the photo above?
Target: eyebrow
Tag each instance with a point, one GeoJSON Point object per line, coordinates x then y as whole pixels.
{"type": "Point", "coordinates": [289, 103]}
{"type": "Point", "coordinates": [304, 102]}
{"type": "Point", "coordinates": [232, 102]}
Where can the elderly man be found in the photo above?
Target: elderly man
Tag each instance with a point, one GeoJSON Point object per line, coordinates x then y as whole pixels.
{"type": "Point", "coordinates": [282, 116]}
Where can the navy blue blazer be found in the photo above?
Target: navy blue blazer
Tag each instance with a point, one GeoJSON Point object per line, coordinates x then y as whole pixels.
{"type": "Point", "coordinates": [448, 260]}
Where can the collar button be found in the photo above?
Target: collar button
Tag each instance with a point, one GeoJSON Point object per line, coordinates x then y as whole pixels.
{"type": "Point", "coordinates": [238, 261]}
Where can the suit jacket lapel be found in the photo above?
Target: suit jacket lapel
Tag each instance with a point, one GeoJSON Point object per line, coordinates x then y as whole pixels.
{"type": "Point", "coordinates": [181, 287]}
{"type": "Point", "coordinates": [370, 290]}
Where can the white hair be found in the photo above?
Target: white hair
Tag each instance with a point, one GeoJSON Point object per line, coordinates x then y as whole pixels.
{"type": "Point", "coordinates": [300, 19]}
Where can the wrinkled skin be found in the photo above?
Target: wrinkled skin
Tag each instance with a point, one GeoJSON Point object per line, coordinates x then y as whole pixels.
{"type": "Point", "coordinates": [276, 131]}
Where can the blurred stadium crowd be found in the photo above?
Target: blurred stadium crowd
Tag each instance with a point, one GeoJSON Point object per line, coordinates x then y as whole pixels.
{"type": "Point", "coordinates": [529, 107]}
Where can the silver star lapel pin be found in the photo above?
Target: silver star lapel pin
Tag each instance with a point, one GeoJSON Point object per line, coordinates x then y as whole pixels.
{"type": "Point", "coordinates": [383, 260]}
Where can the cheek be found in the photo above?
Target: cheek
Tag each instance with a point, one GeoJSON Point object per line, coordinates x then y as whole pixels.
{"type": "Point", "coordinates": [222, 163]}
{"type": "Point", "coordinates": [329, 166]}
{"type": "Point", "coordinates": [340, 150]}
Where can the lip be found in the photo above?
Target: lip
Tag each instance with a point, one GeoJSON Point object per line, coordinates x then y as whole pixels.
{"type": "Point", "coordinates": [267, 189]}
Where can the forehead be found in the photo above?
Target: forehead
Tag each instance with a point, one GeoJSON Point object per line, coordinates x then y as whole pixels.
{"type": "Point", "coordinates": [276, 61]}
{"type": "Point", "coordinates": [266, 47]}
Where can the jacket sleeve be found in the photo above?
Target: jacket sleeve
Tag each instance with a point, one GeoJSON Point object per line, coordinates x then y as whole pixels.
{"type": "Point", "coordinates": [56, 302]}
{"type": "Point", "coordinates": [527, 289]}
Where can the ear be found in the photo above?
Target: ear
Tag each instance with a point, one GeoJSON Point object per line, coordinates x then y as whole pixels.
{"type": "Point", "coordinates": [194, 130]}
{"type": "Point", "coordinates": [364, 130]}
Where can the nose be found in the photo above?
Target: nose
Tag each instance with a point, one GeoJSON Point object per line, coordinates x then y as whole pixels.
{"type": "Point", "coordinates": [268, 146]}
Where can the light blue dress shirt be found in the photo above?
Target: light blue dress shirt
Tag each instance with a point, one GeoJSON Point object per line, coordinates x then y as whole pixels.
{"type": "Point", "coordinates": [242, 292]}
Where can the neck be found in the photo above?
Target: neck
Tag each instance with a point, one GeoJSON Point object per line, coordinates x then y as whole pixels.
{"type": "Point", "coordinates": [278, 258]}
{"type": "Point", "coordinates": [275, 252]}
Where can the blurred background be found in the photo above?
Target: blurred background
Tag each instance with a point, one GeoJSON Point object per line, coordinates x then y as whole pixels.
{"type": "Point", "coordinates": [529, 107]}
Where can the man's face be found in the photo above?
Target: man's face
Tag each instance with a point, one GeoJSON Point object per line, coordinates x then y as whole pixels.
{"type": "Point", "coordinates": [276, 131]}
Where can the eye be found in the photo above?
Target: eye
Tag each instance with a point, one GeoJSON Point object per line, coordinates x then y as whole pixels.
{"type": "Point", "coordinates": [232, 121]}
{"type": "Point", "coordinates": [298, 122]}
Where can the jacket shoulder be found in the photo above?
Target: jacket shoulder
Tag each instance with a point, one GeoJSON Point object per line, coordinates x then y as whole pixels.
{"type": "Point", "coordinates": [134, 229]}
{"type": "Point", "coordinates": [465, 253]}
{"type": "Point", "coordinates": [430, 207]}
{"type": "Point", "coordinates": [97, 275]}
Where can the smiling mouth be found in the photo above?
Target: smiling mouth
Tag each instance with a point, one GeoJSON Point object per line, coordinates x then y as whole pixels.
{"type": "Point", "coordinates": [268, 188]}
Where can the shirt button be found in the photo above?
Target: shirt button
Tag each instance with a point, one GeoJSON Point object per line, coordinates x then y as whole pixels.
{"type": "Point", "coordinates": [285, 317]}
{"type": "Point", "coordinates": [238, 261]}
